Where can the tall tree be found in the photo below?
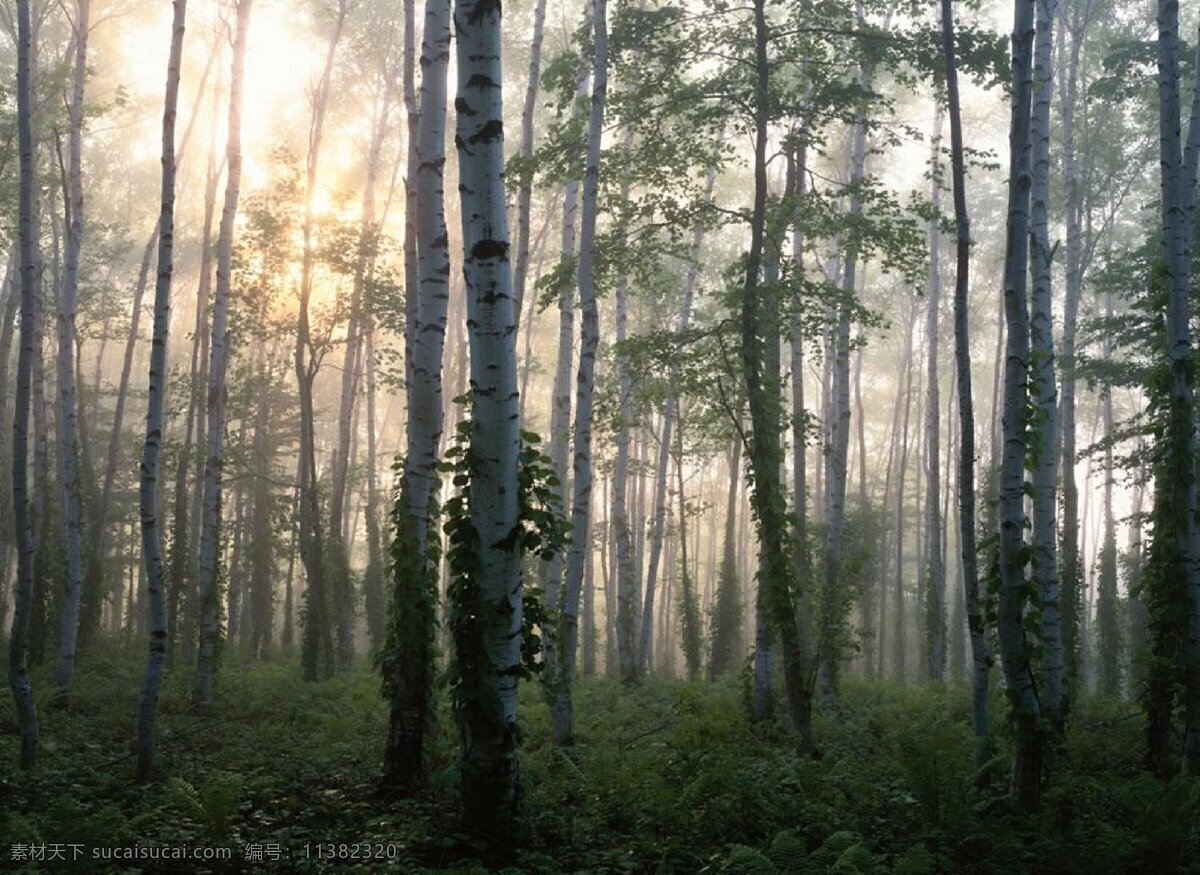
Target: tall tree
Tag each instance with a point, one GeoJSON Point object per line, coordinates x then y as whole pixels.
{"type": "Point", "coordinates": [725, 638]}
{"type": "Point", "coordinates": [1108, 628]}
{"type": "Point", "coordinates": [935, 605]}
{"type": "Point", "coordinates": [415, 582]}
{"type": "Point", "coordinates": [68, 444]}
{"type": "Point", "coordinates": [981, 659]}
{"type": "Point", "coordinates": [489, 724]}
{"type": "Point", "coordinates": [585, 386]}
{"type": "Point", "coordinates": [316, 644]}
{"type": "Point", "coordinates": [525, 150]}
{"type": "Point", "coordinates": [218, 363]}
{"type": "Point", "coordinates": [1014, 648]}
{"type": "Point", "coordinates": [760, 362]}
{"type": "Point", "coordinates": [1042, 385]}
{"type": "Point", "coordinates": [1076, 18]}
{"type": "Point", "coordinates": [1175, 494]}
{"type": "Point", "coordinates": [23, 595]}
{"type": "Point", "coordinates": [152, 550]}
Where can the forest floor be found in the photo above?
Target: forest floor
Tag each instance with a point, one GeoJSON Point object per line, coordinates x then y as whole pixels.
{"type": "Point", "coordinates": [665, 777]}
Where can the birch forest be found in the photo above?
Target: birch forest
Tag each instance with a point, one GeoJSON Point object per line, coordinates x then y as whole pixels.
{"type": "Point", "coordinates": [608, 436]}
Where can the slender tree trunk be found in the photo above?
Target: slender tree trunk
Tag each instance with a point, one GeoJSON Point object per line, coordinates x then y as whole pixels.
{"type": "Point", "coordinates": [1070, 569]}
{"type": "Point", "coordinates": [68, 449]}
{"type": "Point", "coordinates": [560, 398]}
{"type": "Point", "coordinates": [152, 551]}
{"type": "Point", "coordinates": [316, 648]}
{"type": "Point", "coordinates": [1014, 649]}
{"type": "Point", "coordinates": [834, 601]}
{"type": "Point", "coordinates": [981, 659]}
{"type": "Point", "coordinates": [1178, 212]}
{"type": "Point", "coordinates": [760, 361]}
{"type": "Point", "coordinates": [356, 331]}
{"type": "Point", "coordinates": [489, 788]}
{"type": "Point", "coordinates": [1108, 630]}
{"type": "Point", "coordinates": [900, 645]}
{"type": "Point", "coordinates": [414, 592]}
{"type": "Point", "coordinates": [670, 412]}
{"type": "Point", "coordinates": [525, 150]}
{"type": "Point", "coordinates": [935, 605]}
{"type": "Point", "coordinates": [8, 318]}
{"type": "Point", "coordinates": [18, 642]}
{"type": "Point", "coordinates": [626, 578]}
{"type": "Point", "coordinates": [1043, 387]}
{"type": "Point", "coordinates": [726, 638]}
{"type": "Point", "coordinates": [581, 503]}
{"type": "Point", "coordinates": [210, 536]}
{"type": "Point", "coordinates": [798, 170]}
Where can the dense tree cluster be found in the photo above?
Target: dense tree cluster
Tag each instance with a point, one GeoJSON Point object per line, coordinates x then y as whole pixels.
{"type": "Point", "coordinates": [755, 354]}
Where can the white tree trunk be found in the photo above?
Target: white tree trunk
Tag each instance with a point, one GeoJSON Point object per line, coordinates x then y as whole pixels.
{"type": "Point", "coordinates": [152, 551]}
{"type": "Point", "coordinates": [425, 336]}
{"type": "Point", "coordinates": [1043, 387]}
{"type": "Point", "coordinates": [210, 533]}
{"type": "Point", "coordinates": [670, 411]}
{"type": "Point", "coordinates": [1071, 572]}
{"type": "Point", "coordinates": [18, 642]}
{"type": "Point", "coordinates": [68, 449]}
{"type": "Point", "coordinates": [490, 750]}
{"type": "Point", "coordinates": [581, 500]}
{"type": "Point", "coordinates": [1014, 650]}
{"type": "Point", "coordinates": [935, 613]}
{"type": "Point", "coordinates": [525, 191]}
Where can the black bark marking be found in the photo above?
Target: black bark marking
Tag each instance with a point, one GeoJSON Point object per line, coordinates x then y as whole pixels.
{"type": "Point", "coordinates": [482, 8]}
{"type": "Point", "coordinates": [491, 132]}
{"type": "Point", "coordinates": [488, 248]}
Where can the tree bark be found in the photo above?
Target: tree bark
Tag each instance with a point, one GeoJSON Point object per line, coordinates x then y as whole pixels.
{"type": "Point", "coordinates": [525, 150]}
{"type": "Point", "coordinates": [670, 412]}
{"type": "Point", "coordinates": [1014, 649]}
{"type": "Point", "coordinates": [981, 659]}
{"type": "Point", "coordinates": [18, 642]}
{"type": "Point", "coordinates": [760, 361]}
{"type": "Point", "coordinates": [413, 605]}
{"type": "Point", "coordinates": [726, 638]}
{"type": "Point", "coordinates": [210, 535]}
{"type": "Point", "coordinates": [68, 444]}
{"type": "Point", "coordinates": [1178, 213]}
{"type": "Point", "coordinates": [1043, 387]}
{"type": "Point", "coordinates": [562, 710]}
{"type": "Point", "coordinates": [1070, 569]}
{"type": "Point", "coordinates": [152, 551]}
{"type": "Point", "coordinates": [935, 605]}
{"type": "Point", "coordinates": [316, 650]}
{"type": "Point", "coordinates": [489, 788]}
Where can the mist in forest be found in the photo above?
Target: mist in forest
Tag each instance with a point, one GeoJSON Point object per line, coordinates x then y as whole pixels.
{"type": "Point", "coordinates": [599, 437]}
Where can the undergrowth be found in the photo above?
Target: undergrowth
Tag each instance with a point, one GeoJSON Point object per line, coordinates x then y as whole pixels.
{"type": "Point", "coordinates": [665, 777]}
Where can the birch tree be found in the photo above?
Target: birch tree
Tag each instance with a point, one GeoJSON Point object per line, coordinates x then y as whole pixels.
{"type": "Point", "coordinates": [218, 362]}
{"type": "Point", "coordinates": [1014, 649]}
{"type": "Point", "coordinates": [1043, 388]}
{"type": "Point", "coordinates": [981, 659]}
{"type": "Point", "coordinates": [316, 646]}
{"type": "Point", "coordinates": [489, 787]}
{"type": "Point", "coordinates": [18, 642]}
{"type": "Point", "coordinates": [935, 616]}
{"type": "Point", "coordinates": [760, 361]}
{"type": "Point", "coordinates": [414, 586]}
{"type": "Point", "coordinates": [152, 551]}
{"type": "Point", "coordinates": [525, 150]}
{"type": "Point", "coordinates": [562, 710]}
{"type": "Point", "coordinates": [68, 444]}
{"type": "Point", "coordinates": [1178, 199]}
